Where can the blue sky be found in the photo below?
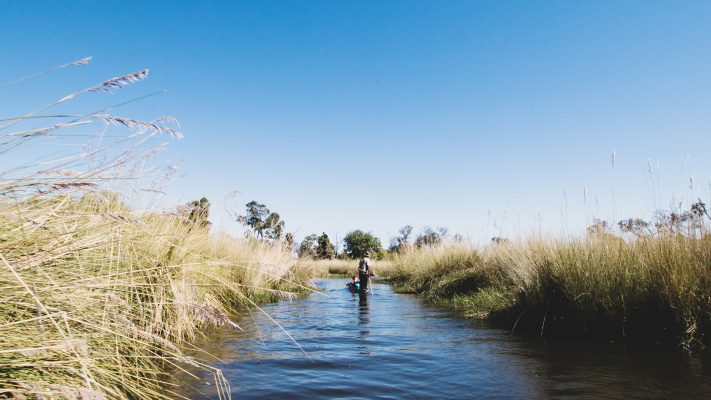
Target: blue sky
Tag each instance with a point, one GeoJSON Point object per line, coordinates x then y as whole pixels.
{"type": "Point", "coordinates": [487, 117]}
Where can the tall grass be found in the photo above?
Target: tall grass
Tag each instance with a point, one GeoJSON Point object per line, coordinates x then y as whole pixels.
{"type": "Point", "coordinates": [651, 289]}
{"type": "Point", "coordinates": [97, 300]}
{"type": "Point", "coordinates": [342, 267]}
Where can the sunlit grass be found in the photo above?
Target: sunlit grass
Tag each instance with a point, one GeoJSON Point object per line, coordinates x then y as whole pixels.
{"type": "Point", "coordinates": [96, 299]}
{"type": "Point", "coordinates": [343, 268]}
{"type": "Point", "coordinates": [652, 289]}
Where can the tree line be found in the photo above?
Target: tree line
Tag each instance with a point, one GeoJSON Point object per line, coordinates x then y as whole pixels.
{"type": "Point", "coordinates": [266, 225]}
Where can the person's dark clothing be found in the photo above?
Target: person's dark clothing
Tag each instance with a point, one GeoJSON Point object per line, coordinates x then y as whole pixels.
{"type": "Point", "coordinates": [364, 273]}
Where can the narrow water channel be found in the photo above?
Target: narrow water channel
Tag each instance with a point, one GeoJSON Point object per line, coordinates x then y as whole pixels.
{"type": "Point", "coordinates": [397, 347]}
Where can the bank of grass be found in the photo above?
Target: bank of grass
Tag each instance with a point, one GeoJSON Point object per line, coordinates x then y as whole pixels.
{"type": "Point", "coordinates": [343, 268]}
{"type": "Point", "coordinates": [655, 289]}
{"type": "Point", "coordinates": [97, 301]}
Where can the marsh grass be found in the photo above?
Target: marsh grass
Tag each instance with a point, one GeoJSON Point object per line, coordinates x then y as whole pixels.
{"type": "Point", "coordinates": [342, 268]}
{"type": "Point", "coordinates": [653, 289]}
{"type": "Point", "coordinates": [98, 300]}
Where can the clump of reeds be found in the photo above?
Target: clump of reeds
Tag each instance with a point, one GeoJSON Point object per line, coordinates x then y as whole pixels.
{"type": "Point", "coordinates": [341, 267]}
{"type": "Point", "coordinates": [96, 300]}
{"type": "Point", "coordinates": [656, 288]}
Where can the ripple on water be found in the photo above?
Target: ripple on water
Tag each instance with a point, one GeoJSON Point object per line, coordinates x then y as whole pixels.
{"type": "Point", "coordinates": [397, 347]}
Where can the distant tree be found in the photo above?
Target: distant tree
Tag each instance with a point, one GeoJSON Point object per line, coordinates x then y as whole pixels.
{"type": "Point", "coordinates": [273, 227]}
{"type": "Point", "coordinates": [357, 242]}
{"type": "Point", "coordinates": [688, 223]}
{"type": "Point", "coordinates": [429, 237]}
{"type": "Point", "coordinates": [635, 226]}
{"type": "Point", "coordinates": [499, 240]}
{"type": "Point", "coordinates": [443, 232]}
{"type": "Point", "coordinates": [676, 222]}
{"type": "Point", "coordinates": [399, 243]}
{"type": "Point", "coordinates": [255, 216]}
{"type": "Point", "coordinates": [598, 227]}
{"type": "Point", "coordinates": [289, 239]}
{"type": "Point", "coordinates": [324, 247]}
{"type": "Point", "coordinates": [395, 246]}
{"type": "Point", "coordinates": [699, 209]}
{"type": "Point", "coordinates": [262, 222]}
{"type": "Point", "coordinates": [307, 248]}
{"type": "Point", "coordinates": [405, 233]}
{"type": "Point", "coordinates": [197, 212]}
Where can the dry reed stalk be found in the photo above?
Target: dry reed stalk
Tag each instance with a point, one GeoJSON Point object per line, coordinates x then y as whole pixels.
{"type": "Point", "coordinates": [96, 300]}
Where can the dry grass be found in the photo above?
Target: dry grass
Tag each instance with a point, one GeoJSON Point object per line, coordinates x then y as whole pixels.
{"type": "Point", "coordinates": [650, 289]}
{"type": "Point", "coordinates": [324, 268]}
{"type": "Point", "coordinates": [97, 300]}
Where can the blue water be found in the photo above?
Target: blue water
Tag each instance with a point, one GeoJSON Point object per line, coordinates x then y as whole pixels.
{"type": "Point", "coordinates": [397, 347]}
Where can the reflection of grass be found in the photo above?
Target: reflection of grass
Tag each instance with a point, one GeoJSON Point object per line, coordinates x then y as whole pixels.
{"type": "Point", "coordinates": [343, 268]}
{"type": "Point", "coordinates": [655, 289]}
{"type": "Point", "coordinates": [95, 299]}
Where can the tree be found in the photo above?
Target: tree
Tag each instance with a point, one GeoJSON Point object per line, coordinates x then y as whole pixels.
{"type": "Point", "coordinates": [636, 226]}
{"type": "Point", "coordinates": [689, 222]}
{"type": "Point", "coordinates": [357, 242]}
{"type": "Point", "coordinates": [273, 227]}
{"type": "Point", "coordinates": [699, 209]}
{"type": "Point", "coordinates": [263, 222]}
{"type": "Point", "coordinates": [254, 219]}
{"type": "Point", "coordinates": [599, 227]}
{"type": "Point", "coordinates": [429, 237]}
{"type": "Point", "coordinates": [197, 212]}
{"type": "Point", "coordinates": [324, 247]}
{"type": "Point", "coordinates": [289, 239]}
{"type": "Point", "coordinates": [499, 240]}
{"type": "Point", "coordinates": [307, 247]}
{"type": "Point", "coordinates": [400, 243]}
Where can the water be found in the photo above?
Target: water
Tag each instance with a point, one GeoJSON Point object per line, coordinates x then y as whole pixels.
{"type": "Point", "coordinates": [397, 347]}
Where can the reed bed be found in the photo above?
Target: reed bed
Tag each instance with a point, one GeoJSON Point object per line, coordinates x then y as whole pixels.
{"type": "Point", "coordinates": [98, 301]}
{"type": "Point", "coordinates": [652, 289]}
{"type": "Point", "coordinates": [341, 267]}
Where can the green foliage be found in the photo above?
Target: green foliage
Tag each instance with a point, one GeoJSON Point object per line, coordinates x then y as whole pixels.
{"type": "Point", "coordinates": [319, 247]}
{"type": "Point", "coordinates": [400, 243]}
{"type": "Point", "coordinates": [273, 227]}
{"type": "Point", "coordinates": [429, 237]}
{"type": "Point", "coordinates": [307, 248]}
{"type": "Point", "coordinates": [357, 242]}
{"type": "Point", "coordinates": [289, 239]}
{"type": "Point", "coordinates": [198, 212]}
{"type": "Point", "coordinates": [263, 223]}
{"type": "Point", "coordinates": [324, 247]}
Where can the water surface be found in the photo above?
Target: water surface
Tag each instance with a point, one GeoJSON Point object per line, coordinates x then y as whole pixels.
{"type": "Point", "coordinates": [397, 347]}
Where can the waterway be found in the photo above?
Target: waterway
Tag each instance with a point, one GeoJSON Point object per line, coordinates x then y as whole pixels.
{"type": "Point", "coordinates": [395, 346]}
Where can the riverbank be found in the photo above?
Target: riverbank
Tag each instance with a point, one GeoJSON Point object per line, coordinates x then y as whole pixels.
{"type": "Point", "coordinates": [97, 300]}
{"type": "Point", "coordinates": [343, 268]}
{"type": "Point", "coordinates": [401, 347]}
{"type": "Point", "coordinates": [652, 290]}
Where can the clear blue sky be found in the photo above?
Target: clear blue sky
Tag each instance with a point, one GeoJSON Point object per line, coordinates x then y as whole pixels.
{"type": "Point", "coordinates": [488, 117]}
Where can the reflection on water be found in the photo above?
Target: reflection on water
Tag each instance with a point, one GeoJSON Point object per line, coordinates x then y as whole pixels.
{"type": "Point", "coordinates": [363, 322]}
{"type": "Point", "coordinates": [393, 346]}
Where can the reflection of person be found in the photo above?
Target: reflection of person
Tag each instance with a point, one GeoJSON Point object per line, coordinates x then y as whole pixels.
{"type": "Point", "coordinates": [365, 271]}
{"type": "Point", "coordinates": [363, 323]}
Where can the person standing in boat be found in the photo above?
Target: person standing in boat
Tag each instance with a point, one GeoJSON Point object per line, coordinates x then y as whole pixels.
{"type": "Point", "coordinates": [365, 271]}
